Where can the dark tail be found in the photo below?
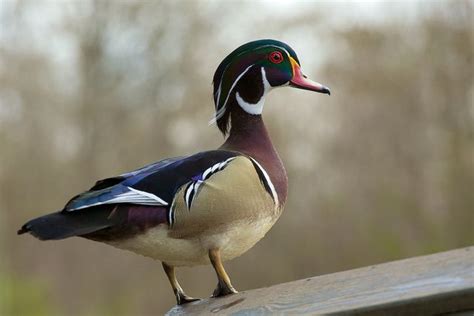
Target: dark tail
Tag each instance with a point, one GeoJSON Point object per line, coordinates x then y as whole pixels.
{"type": "Point", "coordinates": [62, 225]}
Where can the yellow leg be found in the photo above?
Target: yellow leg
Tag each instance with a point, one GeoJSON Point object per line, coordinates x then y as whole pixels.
{"type": "Point", "coordinates": [224, 287]}
{"type": "Point", "coordinates": [181, 297]}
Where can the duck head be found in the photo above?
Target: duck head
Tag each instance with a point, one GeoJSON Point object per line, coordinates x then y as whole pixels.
{"type": "Point", "coordinates": [247, 74]}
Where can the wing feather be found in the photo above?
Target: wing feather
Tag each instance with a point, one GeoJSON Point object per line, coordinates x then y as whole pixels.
{"type": "Point", "coordinates": [155, 184]}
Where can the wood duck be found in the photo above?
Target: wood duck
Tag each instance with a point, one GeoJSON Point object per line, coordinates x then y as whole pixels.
{"type": "Point", "coordinates": [205, 208]}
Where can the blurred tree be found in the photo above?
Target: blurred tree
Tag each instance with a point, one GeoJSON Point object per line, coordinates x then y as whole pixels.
{"type": "Point", "coordinates": [383, 169]}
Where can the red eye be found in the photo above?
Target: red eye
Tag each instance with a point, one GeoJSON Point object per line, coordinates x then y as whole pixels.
{"type": "Point", "coordinates": [276, 57]}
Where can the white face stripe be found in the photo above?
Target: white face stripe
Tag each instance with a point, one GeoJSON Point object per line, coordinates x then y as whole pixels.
{"type": "Point", "coordinates": [219, 92]}
{"type": "Point", "coordinates": [234, 83]}
{"type": "Point", "coordinates": [266, 85]}
{"type": "Point", "coordinates": [221, 110]}
{"type": "Point", "coordinates": [257, 108]}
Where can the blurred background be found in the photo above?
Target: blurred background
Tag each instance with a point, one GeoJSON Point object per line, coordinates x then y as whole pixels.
{"type": "Point", "coordinates": [382, 169]}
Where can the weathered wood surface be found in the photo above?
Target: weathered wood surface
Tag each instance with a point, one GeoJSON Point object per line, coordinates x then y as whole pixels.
{"type": "Point", "coordinates": [434, 284]}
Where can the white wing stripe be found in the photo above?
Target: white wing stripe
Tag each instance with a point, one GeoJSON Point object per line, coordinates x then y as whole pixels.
{"type": "Point", "coordinates": [133, 196]}
{"type": "Point", "coordinates": [149, 195]}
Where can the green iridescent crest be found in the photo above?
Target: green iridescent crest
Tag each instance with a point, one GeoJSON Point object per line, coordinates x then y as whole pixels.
{"type": "Point", "coordinates": [240, 61]}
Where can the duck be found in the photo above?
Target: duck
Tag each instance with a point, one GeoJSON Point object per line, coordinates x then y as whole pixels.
{"type": "Point", "coordinates": [205, 208]}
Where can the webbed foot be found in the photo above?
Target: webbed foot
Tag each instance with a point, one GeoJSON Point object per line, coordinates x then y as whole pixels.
{"type": "Point", "coordinates": [223, 290]}
{"type": "Point", "coordinates": [182, 298]}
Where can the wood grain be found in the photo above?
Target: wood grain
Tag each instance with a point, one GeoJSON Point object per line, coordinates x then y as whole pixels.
{"type": "Point", "coordinates": [435, 284]}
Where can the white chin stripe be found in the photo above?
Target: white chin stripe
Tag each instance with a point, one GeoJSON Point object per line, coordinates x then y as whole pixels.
{"type": "Point", "coordinates": [250, 108]}
{"type": "Point", "coordinates": [257, 108]}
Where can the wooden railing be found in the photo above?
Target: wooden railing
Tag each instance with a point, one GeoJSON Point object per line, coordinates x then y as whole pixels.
{"type": "Point", "coordinates": [441, 283]}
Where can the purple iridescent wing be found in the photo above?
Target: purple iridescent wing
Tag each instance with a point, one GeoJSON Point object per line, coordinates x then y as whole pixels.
{"type": "Point", "coordinates": [152, 185]}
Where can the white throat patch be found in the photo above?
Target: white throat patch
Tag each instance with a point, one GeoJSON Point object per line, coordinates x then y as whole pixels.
{"type": "Point", "coordinates": [256, 108]}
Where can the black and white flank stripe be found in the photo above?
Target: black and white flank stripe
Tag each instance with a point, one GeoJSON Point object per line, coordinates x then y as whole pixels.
{"type": "Point", "coordinates": [266, 181]}
{"type": "Point", "coordinates": [192, 189]}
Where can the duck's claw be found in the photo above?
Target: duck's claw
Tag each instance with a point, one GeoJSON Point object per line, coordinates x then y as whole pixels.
{"type": "Point", "coordinates": [182, 298]}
